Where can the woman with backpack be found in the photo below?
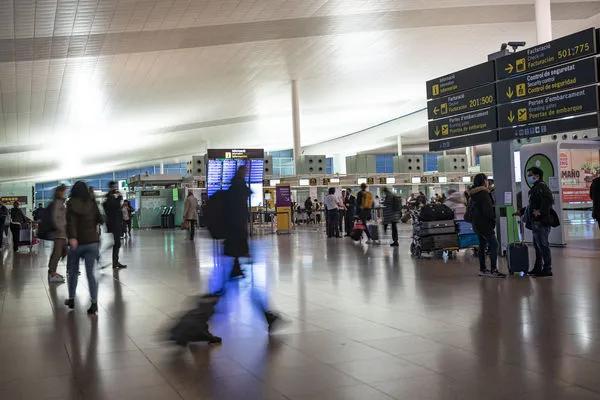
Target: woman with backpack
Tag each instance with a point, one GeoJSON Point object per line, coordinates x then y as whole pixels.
{"type": "Point", "coordinates": [482, 214]}
{"type": "Point", "coordinates": [391, 214]}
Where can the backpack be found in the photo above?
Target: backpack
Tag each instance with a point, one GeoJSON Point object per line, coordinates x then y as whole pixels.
{"type": "Point", "coordinates": [215, 214]}
{"type": "Point", "coordinates": [366, 200]}
{"type": "Point", "coordinates": [45, 224]}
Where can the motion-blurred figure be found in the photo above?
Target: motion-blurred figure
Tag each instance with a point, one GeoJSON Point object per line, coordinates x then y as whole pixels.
{"type": "Point", "coordinates": [114, 221]}
{"type": "Point", "coordinates": [58, 216]}
{"type": "Point", "coordinates": [190, 214]}
{"type": "Point", "coordinates": [236, 240]}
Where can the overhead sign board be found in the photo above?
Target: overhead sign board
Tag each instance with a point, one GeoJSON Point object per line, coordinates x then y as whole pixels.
{"type": "Point", "coordinates": [545, 55]}
{"type": "Point", "coordinates": [464, 141]}
{"type": "Point", "coordinates": [461, 80]}
{"type": "Point", "coordinates": [474, 99]}
{"type": "Point", "coordinates": [563, 77]}
{"type": "Point", "coordinates": [464, 124]}
{"type": "Point", "coordinates": [550, 127]}
{"type": "Point", "coordinates": [235, 153]}
{"type": "Point", "coordinates": [559, 105]}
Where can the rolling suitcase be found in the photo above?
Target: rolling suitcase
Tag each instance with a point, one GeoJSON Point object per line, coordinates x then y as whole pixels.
{"type": "Point", "coordinates": [422, 231]}
{"type": "Point", "coordinates": [517, 255]}
{"type": "Point", "coordinates": [373, 231]}
{"type": "Point", "coordinates": [439, 242]}
{"type": "Point", "coordinates": [436, 212]}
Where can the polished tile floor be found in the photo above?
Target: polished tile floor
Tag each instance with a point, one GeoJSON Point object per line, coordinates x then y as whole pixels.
{"type": "Point", "coordinates": [365, 322]}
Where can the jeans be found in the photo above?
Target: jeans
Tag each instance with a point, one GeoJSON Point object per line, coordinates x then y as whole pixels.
{"type": "Point", "coordinates": [192, 223]}
{"type": "Point", "coordinates": [15, 229]}
{"type": "Point", "coordinates": [58, 251]}
{"type": "Point", "coordinates": [485, 242]}
{"type": "Point", "coordinates": [543, 257]}
{"type": "Point", "coordinates": [89, 252]}
{"type": "Point", "coordinates": [332, 223]}
{"type": "Point", "coordinates": [394, 230]}
{"type": "Point", "coordinates": [341, 216]}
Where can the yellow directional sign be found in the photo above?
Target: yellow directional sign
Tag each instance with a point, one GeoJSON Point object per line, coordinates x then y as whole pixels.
{"type": "Point", "coordinates": [444, 130]}
{"type": "Point", "coordinates": [436, 110]}
{"type": "Point", "coordinates": [521, 65]}
{"type": "Point", "coordinates": [437, 131]}
{"type": "Point", "coordinates": [511, 117]}
{"type": "Point", "coordinates": [522, 114]}
{"type": "Point", "coordinates": [509, 92]}
{"type": "Point", "coordinates": [435, 90]}
{"type": "Point", "coordinates": [509, 68]}
{"type": "Point", "coordinates": [444, 108]}
{"type": "Point", "coordinates": [521, 90]}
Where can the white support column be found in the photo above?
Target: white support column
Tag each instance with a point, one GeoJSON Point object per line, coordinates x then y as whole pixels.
{"type": "Point", "coordinates": [162, 167]}
{"type": "Point", "coordinates": [471, 156]}
{"type": "Point", "coordinates": [339, 164]}
{"type": "Point", "coordinates": [543, 21]}
{"type": "Point", "coordinates": [296, 122]}
{"type": "Point", "coordinates": [399, 145]}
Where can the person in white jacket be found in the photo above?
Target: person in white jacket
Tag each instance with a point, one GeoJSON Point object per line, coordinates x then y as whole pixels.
{"type": "Point", "coordinates": [190, 213]}
{"type": "Point", "coordinates": [457, 202]}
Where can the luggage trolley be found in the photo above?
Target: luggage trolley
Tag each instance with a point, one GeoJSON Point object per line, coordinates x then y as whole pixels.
{"type": "Point", "coordinates": [26, 237]}
{"type": "Point", "coordinates": [434, 230]}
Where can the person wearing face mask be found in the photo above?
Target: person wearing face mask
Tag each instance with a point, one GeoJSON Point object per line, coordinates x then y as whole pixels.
{"type": "Point", "coordinates": [540, 208]}
{"type": "Point", "coordinates": [483, 217]}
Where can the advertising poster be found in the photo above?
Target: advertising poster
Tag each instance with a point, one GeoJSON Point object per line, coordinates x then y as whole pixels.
{"type": "Point", "coordinates": [283, 204]}
{"type": "Point", "coordinates": [577, 170]}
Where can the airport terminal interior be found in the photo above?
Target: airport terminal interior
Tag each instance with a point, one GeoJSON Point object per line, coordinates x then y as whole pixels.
{"type": "Point", "coordinates": [293, 199]}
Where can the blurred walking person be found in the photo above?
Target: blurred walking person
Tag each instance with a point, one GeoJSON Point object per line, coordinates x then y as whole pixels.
{"type": "Point", "coordinates": [83, 217]}
{"type": "Point", "coordinates": [114, 221]}
{"type": "Point", "coordinates": [190, 213]}
{"type": "Point", "coordinates": [4, 219]}
{"type": "Point", "coordinates": [236, 240]}
{"type": "Point", "coordinates": [58, 234]}
{"type": "Point", "coordinates": [127, 211]}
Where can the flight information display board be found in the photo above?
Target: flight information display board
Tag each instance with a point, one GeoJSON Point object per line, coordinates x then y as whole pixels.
{"type": "Point", "coordinates": [222, 170]}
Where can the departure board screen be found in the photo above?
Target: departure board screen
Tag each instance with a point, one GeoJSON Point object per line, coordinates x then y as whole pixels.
{"type": "Point", "coordinates": [221, 171]}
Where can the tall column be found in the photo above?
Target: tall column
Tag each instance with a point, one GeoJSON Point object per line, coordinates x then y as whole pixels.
{"type": "Point", "coordinates": [399, 145]}
{"type": "Point", "coordinates": [162, 167]}
{"type": "Point", "coordinates": [543, 21]}
{"type": "Point", "coordinates": [471, 153]}
{"type": "Point", "coordinates": [296, 122]}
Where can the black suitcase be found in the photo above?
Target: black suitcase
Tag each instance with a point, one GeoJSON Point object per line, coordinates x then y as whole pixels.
{"type": "Point", "coordinates": [193, 325]}
{"type": "Point", "coordinates": [517, 254]}
{"type": "Point", "coordinates": [373, 231]}
{"type": "Point", "coordinates": [436, 212]}
{"type": "Point", "coordinates": [439, 242]}
{"type": "Point", "coordinates": [422, 231]}
{"type": "Point", "coordinates": [518, 258]}
{"type": "Point", "coordinates": [438, 224]}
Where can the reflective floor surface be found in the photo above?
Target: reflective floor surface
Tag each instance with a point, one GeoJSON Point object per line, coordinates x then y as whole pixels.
{"type": "Point", "coordinates": [364, 322]}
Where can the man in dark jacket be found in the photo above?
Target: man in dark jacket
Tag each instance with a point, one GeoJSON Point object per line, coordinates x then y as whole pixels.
{"type": "Point", "coordinates": [350, 202]}
{"type": "Point", "coordinates": [236, 240]}
{"type": "Point", "coordinates": [114, 221]}
{"type": "Point", "coordinates": [483, 217]}
{"type": "Point", "coordinates": [540, 207]}
{"type": "Point", "coordinates": [595, 196]}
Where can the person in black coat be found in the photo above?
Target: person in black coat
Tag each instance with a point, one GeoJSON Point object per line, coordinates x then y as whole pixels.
{"type": "Point", "coordinates": [114, 221]}
{"type": "Point", "coordinates": [483, 217]}
{"type": "Point", "coordinates": [236, 240]}
{"type": "Point", "coordinates": [540, 217]}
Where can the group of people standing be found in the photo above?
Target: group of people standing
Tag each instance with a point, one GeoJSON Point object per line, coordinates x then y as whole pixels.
{"type": "Point", "coordinates": [537, 216]}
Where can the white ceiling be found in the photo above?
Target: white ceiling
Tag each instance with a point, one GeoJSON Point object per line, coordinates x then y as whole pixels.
{"type": "Point", "coordinates": [90, 85]}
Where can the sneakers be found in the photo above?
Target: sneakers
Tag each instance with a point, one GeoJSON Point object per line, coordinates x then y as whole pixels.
{"type": "Point", "coordinates": [491, 274]}
{"type": "Point", "coordinates": [70, 303]}
{"type": "Point", "coordinates": [497, 274]}
{"type": "Point", "coordinates": [543, 274]}
{"type": "Point", "coordinates": [118, 265]}
{"type": "Point", "coordinates": [56, 278]}
{"type": "Point", "coordinates": [394, 244]}
{"type": "Point", "coordinates": [93, 310]}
